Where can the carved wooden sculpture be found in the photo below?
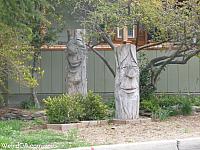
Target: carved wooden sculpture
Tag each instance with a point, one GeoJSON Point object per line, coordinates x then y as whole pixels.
{"type": "Point", "coordinates": [76, 68]}
{"type": "Point", "coordinates": [127, 83]}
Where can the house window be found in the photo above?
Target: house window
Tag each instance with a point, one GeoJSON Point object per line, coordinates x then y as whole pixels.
{"type": "Point", "coordinates": [119, 33]}
{"type": "Point", "coordinates": [131, 33]}
{"type": "Point", "coordinates": [128, 32]}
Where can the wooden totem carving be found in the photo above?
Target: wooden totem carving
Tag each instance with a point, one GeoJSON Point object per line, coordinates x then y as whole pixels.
{"type": "Point", "coordinates": [76, 68]}
{"type": "Point", "coordinates": [127, 83]}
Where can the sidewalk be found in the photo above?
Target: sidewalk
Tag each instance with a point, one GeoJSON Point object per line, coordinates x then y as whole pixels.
{"type": "Point", "coordinates": [180, 144]}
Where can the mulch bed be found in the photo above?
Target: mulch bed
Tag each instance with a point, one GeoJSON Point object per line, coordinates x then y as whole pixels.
{"type": "Point", "coordinates": [173, 128]}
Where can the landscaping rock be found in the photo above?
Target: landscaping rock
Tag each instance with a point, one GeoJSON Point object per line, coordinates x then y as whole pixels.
{"type": "Point", "coordinates": [13, 113]}
{"type": "Point", "coordinates": [195, 108]}
{"type": "Point", "coordinates": [39, 114]}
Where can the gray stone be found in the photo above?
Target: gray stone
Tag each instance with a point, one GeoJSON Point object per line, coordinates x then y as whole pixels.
{"type": "Point", "coordinates": [195, 108]}
{"type": "Point", "coordinates": [39, 114]}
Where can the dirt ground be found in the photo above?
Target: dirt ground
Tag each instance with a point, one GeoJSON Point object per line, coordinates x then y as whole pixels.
{"type": "Point", "coordinates": [173, 128]}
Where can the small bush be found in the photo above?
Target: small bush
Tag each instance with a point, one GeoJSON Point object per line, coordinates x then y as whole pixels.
{"type": "Point", "coordinates": [168, 100]}
{"type": "Point", "coordinates": [67, 109]}
{"type": "Point", "coordinates": [163, 106]}
{"type": "Point", "coordinates": [151, 105]}
{"type": "Point", "coordinates": [2, 102]}
{"type": "Point", "coordinates": [28, 104]}
{"type": "Point", "coordinates": [63, 109]}
{"type": "Point", "coordinates": [195, 100]}
{"type": "Point", "coordinates": [186, 107]}
{"type": "Point", "coordinates": [161, 114]}
{"type": "Point", "coordinates": [146, 88]}
{"type": "Point", "coordinates": [111, 106]}
{"type": "Point", "coordinates": [94, 108]}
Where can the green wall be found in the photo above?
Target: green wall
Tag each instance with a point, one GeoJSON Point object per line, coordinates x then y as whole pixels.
{"type": "Point", "coordinates": [175, 79]}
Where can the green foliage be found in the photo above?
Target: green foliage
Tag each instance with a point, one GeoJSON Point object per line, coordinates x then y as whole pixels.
{"type": "Point", "coordinates": [11, 133]}
{"type": "Point", "coordinates": [161, 114]}
{"type": "Point", "coordinates": [165, 19]}
{"type": "Point", "coordinates": [186, 107]}
{"type": "Point", "coordinates": [12, 124]}
{"type": "Point", "coordinates": [163, 106]}
{"type": "Point", "coordinates": [2, 101]}
{"type": "Point", "coordinates": [63, 109]}
{"type": "Point", "coordinates": [24, 27]}
{"type": "Point", "coordinates": [94, 108]}
{"type": "Point", "coordinates": [27, 104]}
{"type": "Point", "coordinates": [195, 100]}
{"type": "Point", "coordinates": [66, 109]}
{"type": "Point", "coordinates": [150, 105]}
{"type": "Point", "coordinates": [4, 140]}
{"type": "Point", "coordinates": [146, 89]}
{"type": "Point", "coordinates": [111, 107]}
{"type": "Point", "coordinates": [171, 22]}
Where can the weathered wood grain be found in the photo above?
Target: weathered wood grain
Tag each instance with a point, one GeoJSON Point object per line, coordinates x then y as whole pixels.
{"type": "Point", "coordinates": [127, 83]}
{"type": "Point", "coordinates": [76, 68]}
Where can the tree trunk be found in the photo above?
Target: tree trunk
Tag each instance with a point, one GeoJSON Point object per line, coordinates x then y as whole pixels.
{"type": "Point", "coordinates": [127, 96]}
{"type": "Point", "coordinates": [35, 99]}
{"type": "Point", "coordinates": [76, 68]}
{"type": "Point", "coordinates": [34, 75]}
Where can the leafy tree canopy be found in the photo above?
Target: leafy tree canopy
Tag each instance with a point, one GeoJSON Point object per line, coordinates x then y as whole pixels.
{"type": "Point", "coordinates": [25, 25]}
{"type": "Point", "coordinates": [169, 21]}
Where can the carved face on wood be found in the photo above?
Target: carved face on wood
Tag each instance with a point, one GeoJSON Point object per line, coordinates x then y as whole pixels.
{"type": "Point", "coordinates": [129, 71]}
{"type": "Point", "coordinates": [127, 83]}
{"type": "Point", "coordinates": [129, 76]}
{"type": "Point", "coordinates": [75, 53]}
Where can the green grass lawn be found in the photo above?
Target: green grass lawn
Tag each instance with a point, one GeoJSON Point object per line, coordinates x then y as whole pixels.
{"type": "Point", "coordinates": [16, 134]}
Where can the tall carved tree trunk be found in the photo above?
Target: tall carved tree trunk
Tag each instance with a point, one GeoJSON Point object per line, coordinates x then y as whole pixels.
{"type": "Point", "coordinates": [76, 68]}
{"type": "Point", "coordinates": [127, 96]}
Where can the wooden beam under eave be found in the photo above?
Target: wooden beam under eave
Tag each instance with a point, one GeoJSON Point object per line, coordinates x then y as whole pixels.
{"type": "Point", "coordinates": [53, 48]}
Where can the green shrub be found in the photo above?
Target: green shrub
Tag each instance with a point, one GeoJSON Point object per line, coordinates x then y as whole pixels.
{"type": "Point", "coordinates": [12, 124]}
{"type": "Point", "coordinates": [151, 104]}
{"type": "Point", "coordinates": [185, 107]}
{"type": "Point", "coordinates": [163, 106]}
{"type": "Point", "coordinates": [27, 104]}
{"type": "Point", "coordinates": [168, 100]}
{"type": "Point", "coordinates": [67, 109]}
{"type": "Point", "coordinates": [63, 109]}
{"type": "Point", "coordinates": [111, 107]}
{"type": "Point", "coordinates": [161, 114]}
{"type": "Point", "coordinates": [94, 107]}
{"type": "Point", "coordinates": [195, 100]}
{"type": "Point", "coordinates": [2, 101]}
{"type": "Point", "coordinates": [146, 88]}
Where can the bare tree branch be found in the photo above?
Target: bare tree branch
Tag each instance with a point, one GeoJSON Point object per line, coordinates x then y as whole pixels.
{"type": "Point", "coordinates": [103, 59]}
{"type": "Point", "coordinates": [150, 45]}
{"type": "Point", "coordinates": [186, 59]}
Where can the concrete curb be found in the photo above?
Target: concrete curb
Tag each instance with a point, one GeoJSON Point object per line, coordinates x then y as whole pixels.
{"type": "Point", "coordinates": [180, 144]}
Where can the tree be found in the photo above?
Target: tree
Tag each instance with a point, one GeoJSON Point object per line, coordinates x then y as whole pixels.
{"type": "Point", "coordinates": [25, 27]}
{"type": "Point", "coordinates": [169, 21]}
{"type": "Point", "coordinates": [15, 48]}
{"type": "Point", "coordinates": [127, 73]}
